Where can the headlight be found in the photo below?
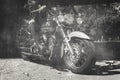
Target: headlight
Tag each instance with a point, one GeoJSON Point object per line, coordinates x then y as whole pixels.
{"type": "Point", "coordinates": [60, 18]}
{"type": "Point", "coordinates": [69, 19]}
{"type": "Point", "coordinates": [79, 20]}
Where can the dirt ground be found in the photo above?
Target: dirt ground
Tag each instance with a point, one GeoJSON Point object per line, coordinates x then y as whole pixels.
{"type": "Point", "coordinates": [19, 69]}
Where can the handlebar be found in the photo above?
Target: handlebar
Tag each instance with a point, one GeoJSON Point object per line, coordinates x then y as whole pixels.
{"type": "Point", "coordinates": [39, 9]}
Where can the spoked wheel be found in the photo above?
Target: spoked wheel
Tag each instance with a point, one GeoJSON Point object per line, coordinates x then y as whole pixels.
{"type": "Point", "coordinates": [82, 59]}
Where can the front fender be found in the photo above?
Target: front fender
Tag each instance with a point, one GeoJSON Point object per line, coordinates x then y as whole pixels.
{"type": "Point", "coordinates": [79, 35]}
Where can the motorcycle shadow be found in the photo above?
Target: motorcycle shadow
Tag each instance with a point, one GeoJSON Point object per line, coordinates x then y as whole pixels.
{"type": "Point", "coordinates": [54, 65]}
{"type": "Point", "coordinates": [108, 69]}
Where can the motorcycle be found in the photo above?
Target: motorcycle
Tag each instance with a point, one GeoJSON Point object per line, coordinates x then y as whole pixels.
{"type": "Point", "coordinates": [76, 49]}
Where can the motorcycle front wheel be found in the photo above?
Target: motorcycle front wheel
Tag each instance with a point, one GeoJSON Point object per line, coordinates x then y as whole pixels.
{"type": "Point", "coordinates": [82, 59]}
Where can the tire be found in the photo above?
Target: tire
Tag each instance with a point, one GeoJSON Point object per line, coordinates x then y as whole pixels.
{"type": "Point", "coordinates": [86, 59]}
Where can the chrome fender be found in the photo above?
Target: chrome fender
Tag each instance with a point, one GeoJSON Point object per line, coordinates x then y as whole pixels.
{"type": "Point", "coordinates": [79, 35]}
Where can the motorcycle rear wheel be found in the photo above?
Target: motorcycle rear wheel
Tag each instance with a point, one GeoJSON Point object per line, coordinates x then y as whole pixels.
{"type": "Point", "coordinates": [82, 59]}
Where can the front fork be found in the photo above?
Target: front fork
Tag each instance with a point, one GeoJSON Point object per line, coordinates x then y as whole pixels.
{"type": "Point", "coordinates": [66, 40]}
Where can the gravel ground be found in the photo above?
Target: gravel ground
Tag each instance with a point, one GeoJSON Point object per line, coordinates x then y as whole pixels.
{"type": "Point", "coordinates": [18, 69]}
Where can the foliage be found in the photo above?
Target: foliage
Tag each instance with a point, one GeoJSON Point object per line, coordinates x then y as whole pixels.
{"type": "Point", "coordinates": [98, 20]}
